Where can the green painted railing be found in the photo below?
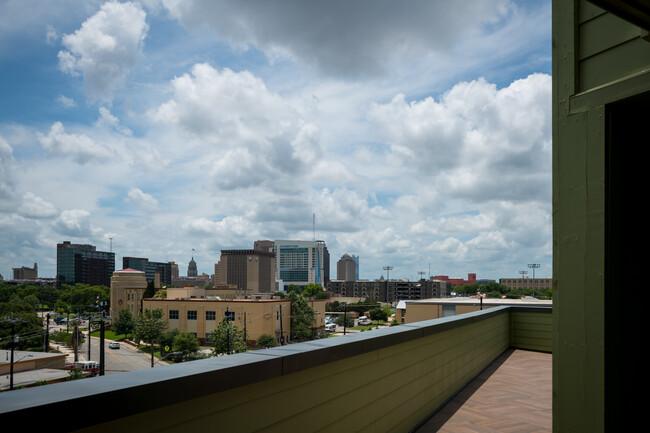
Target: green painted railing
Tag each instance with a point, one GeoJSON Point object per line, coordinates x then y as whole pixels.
{"type": "Point", "coordinates": [389, 380]}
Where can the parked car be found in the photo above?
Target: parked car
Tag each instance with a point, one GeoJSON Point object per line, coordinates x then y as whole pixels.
{"type": "Point", "coordinates": [364, 321]}
{"type": "Point", "coordinates": [114, 345]}
{"type": "Point", "coordinates": [330, 327]}
{"type": "Point", "coordinates": [60, 320]}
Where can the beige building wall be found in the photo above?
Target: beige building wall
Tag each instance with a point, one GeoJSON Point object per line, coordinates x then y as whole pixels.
{"type": "Point", "coordinates": [417, 311]}
{"type": "Point", "coordinates": [201, 316]}
{"type": "Point", "coordinates": [127, 290]}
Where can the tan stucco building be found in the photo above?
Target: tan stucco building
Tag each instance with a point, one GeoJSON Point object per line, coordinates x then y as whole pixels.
{"type": "Point", "coordinates": [127, 290]}
{"type": "Point", "coordinates": [257, 316]}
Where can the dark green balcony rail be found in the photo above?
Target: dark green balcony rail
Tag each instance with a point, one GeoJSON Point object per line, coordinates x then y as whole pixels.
{"type": "Point", "coordinates": [384, 380]}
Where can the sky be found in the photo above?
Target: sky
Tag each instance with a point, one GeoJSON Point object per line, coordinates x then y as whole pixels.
{"type": "Point", "coordinates": [417, 135]}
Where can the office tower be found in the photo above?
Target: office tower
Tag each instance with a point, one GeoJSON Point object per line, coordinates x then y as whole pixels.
{"type": "Point", "coordinates": [247, 269]}
{"type": "Point", "coordinates": [356, 270]}
{"type": "Point", "coordinates": [83, 264]}
{"type": "Point", "coordinates": [302, 262]}
{"type": "Point", "coordinates": [346, 268]}
{"type": "Point", "coordinates": [263, 245]}
{"type": "Point", "coordinates": [164, 270]}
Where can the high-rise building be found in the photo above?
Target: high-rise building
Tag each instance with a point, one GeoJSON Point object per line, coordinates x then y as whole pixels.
{"type": "Point", "coordinates": [164, 270]}
{"type": "Point", "coordinates": [302, 262]}
{"type": "Point", "coordinates": [26, 273]}
{"type": "Point", "coordinates": [77, 263]}
{"type": "Point", "coordinates": [192, 269]}
{"type": "Point", "coordinates": [346, 268]}
{"type": "Point", "coordinates": [247, 269]}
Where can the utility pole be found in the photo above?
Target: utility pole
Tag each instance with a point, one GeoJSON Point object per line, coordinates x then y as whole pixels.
{"type": "Point", "coordinates": [227, 332]}
{"type": "Point", "coordinates": [281, 330]}
{"type": "Point", "coordinates": [47, 334]}
{"type": "Point", "coordinates": [102, 356]}
{"type": "Point", "coordinates": [522, 285]}
{"type": "Point", "coordinates": [14, 339]}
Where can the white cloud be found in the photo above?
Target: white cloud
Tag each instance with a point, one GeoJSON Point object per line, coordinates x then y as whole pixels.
{"type": "Point", "coordinates": [105, 48]}
{"type": "Point", "coordinates": [80, 147]}
{"type": "Point", "coordinates": [75, 223]}
{"type": "Point", "coordinates": [141, 200]}
{"type": "Point", "coordinates": [476, 139]}
{"type": "Point", "coordinates": [34, 206]}
{"type": "Point", "coordinates": [66, 102]}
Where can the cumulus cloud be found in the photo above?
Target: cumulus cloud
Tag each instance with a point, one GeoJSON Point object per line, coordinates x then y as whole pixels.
{"type": "Point", "coordinates": [76, 223]}
{"type": "Point", "coordinates": [105, 48]}
{"type": "Point", "coordinates": [341, 37]}
{"type": "Point", "coordinates": [80, 147]}
{"type": "Point", "coordinates": [6, 167]}
{"type": "Point", "coordinates": [141, 200]}
{"type": "Point", "coordinates": [34, 206]}
{"type": "Point", "coordinates": [248, 134]}
{"type": "Point", "coordinates": [476, 138]}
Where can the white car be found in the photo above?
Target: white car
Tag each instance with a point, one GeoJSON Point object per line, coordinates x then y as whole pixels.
{"type": "Point", "coordinates": [114, 345]}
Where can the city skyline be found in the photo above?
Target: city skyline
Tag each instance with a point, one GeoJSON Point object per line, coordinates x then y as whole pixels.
{"type": "Point", "coordinates": [418, 137]}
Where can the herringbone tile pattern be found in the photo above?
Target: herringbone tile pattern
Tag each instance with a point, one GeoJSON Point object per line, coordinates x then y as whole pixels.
{"type": "Point", "coordinates": [512, 395]}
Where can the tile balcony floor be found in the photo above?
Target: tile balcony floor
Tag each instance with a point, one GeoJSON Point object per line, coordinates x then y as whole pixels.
{"type": "Point", "coordinates": [512, 395]}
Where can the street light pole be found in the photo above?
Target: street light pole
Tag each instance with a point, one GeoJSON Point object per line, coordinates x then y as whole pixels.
{"type": "Point", "coordinates": [387, 269]}
{"type": "Point", "coordinates": [534, 266]}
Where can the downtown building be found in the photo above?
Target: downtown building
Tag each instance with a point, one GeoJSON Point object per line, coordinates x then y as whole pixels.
{"type": "Point", "coordinates": [164, 270]}
{"type": "Point", "coordinates": [250, 271]}
{"type": "Point", "coordinates": [347, 268]}
{"type": "Point", "coordinates": [83, 264]}
{"type": "Point", "coordinates": [302, 262]}
{"type": "Point", "coordinates": [390, 291]}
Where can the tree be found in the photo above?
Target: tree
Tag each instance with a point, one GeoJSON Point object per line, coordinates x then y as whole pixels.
{"type": "Point", "coordinates": [185, 343]}
{"type": "Point", "coordinates": [266, 340]}
{"type": "Point", "coordinates": [227, 338]}
{"type": "Point", "coordinates": [124, 324]}
{"type": "Point", "coordinates": [313, 290]}
{"type": "Point", "coordinates": [302, 317]}
{"type": "Point", "coordinates": [378, 314]}
{"type": "Point", "coordinates": [149, 326]}
{"type": "Point", "coordinates": [23, 320]}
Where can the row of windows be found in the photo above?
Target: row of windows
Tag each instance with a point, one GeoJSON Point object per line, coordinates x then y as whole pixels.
{"type": "Point", "coordinates": [209, 315]}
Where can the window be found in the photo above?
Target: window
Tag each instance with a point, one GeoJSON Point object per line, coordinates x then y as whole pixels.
{"type": "Point", "coordinates": [173, 314]}
{"type": "Point", "coordinates": [191, 315]}
{"type": "Point", "coordinates": [210, 315]}
{"type": "Point", "coordinates": [230, 315]}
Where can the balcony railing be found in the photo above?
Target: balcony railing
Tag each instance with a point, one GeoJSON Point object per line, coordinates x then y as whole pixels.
{"type": "Point", "coordinates": [387, 380]}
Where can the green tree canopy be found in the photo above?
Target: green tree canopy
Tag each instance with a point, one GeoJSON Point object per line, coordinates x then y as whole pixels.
{"type": "Point", "coordinates": [302, 317]}
{"type": "Point", "coordinates": [149, 326]}
{"type": "Point", "coordinates": [379, 314]}
{"type": "Point", "coordinates": [227, 338]}
{"type": "Point", "coordinates": [266, 340]}
{"type": "Point", "coordinates": [187, 344]}
{"type": "Point", "coordinates": [125, 323]}
{"type": "Point", "coordinates": [28, 327]}
{"type": "Point", "coordinates": [314, 290]}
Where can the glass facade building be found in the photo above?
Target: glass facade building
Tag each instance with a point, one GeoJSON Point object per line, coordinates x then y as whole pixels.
{"type": "Point", "coordinates": [83, 264]}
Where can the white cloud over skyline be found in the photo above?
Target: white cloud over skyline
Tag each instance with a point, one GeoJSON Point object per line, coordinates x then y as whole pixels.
{"type": "Point", "coordinates": [420, 137]}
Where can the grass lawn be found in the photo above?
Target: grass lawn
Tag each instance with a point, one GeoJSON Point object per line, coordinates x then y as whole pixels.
{"type": "Point", "coordinates": [110, 335]}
